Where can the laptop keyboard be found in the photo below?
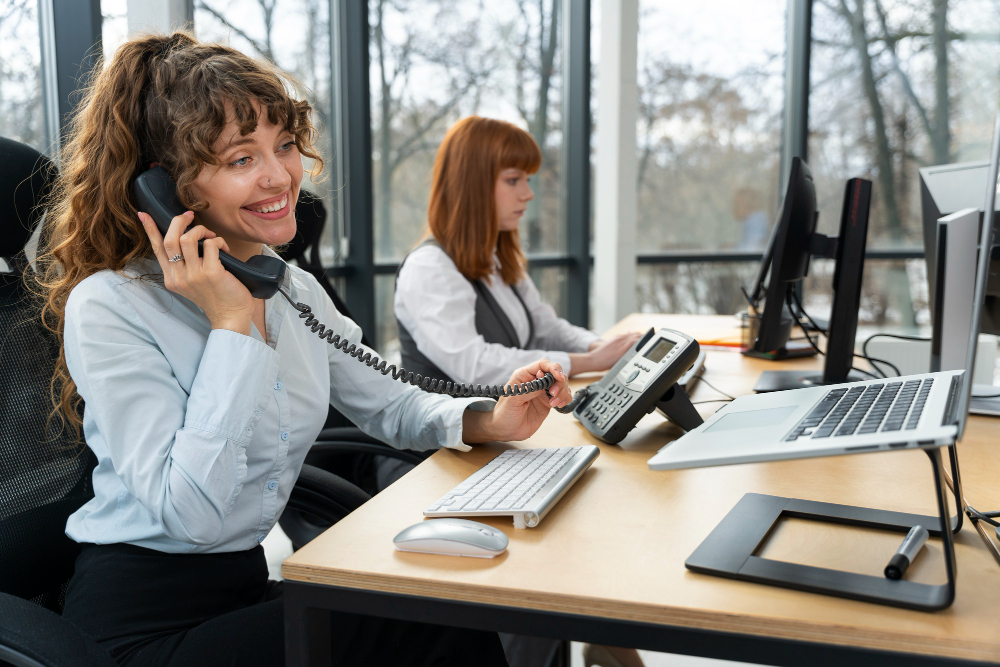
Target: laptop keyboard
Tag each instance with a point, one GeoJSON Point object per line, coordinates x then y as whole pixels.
{"type": "Point", "coordinates": [886, 406]}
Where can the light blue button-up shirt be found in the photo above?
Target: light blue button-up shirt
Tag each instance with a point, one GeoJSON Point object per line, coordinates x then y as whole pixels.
{"type": "Point", "coordinates": [199, 433]}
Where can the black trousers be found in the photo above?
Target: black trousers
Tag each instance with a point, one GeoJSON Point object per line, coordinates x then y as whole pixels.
{"type": "Point", "coordinates": [148, 608]}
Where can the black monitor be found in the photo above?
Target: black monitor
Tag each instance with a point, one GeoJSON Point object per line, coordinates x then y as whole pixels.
{"type": "Point", "coordinates": [785, 263]}
{"type": "Point", "coordinates": [792, 251]}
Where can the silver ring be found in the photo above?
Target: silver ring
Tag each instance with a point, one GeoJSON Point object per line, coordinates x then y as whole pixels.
{"type": "Point", "coordinates": [269, 184]}
{"type": "Point", "coordinates": [176, 258]}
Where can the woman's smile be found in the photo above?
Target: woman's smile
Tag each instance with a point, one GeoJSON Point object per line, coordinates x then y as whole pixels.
{"type": "Point", "coordinates": [270, 209]}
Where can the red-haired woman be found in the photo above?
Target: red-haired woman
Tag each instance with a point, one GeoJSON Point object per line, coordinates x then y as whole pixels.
{"type": "Point", "coordinates": [467, 309]}
{"type": "Point", "coordinates": [201, 401]}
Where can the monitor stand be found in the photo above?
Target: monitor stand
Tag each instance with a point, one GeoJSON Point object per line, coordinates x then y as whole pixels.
{"type": "Point", "coordinates": [791, 350]}
{"type": "Point", "coordinates": [782, 380]}
{"type": "Point", "coordinates": [985, 406]}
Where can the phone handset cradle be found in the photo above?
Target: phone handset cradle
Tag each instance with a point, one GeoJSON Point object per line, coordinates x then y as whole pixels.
{"type": "Point", "coordinates": [678, 408]}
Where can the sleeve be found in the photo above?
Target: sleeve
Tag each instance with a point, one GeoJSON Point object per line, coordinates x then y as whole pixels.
{"type": "Point", "coordinates": [437, 305]}
{"type": "Point", "coordinates": [552, 331]}
{"type": "Point", "coordinates": [181, 456]}
{"type": "Point", "coordinates": [400, 414]}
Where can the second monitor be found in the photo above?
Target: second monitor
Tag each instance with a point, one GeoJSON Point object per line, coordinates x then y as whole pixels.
{"type": "Point", "coordinates": [786, 263]}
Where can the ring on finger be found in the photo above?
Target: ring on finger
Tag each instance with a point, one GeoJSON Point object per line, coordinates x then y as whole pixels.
{"type": "Point", "coordinates": [176, 258]}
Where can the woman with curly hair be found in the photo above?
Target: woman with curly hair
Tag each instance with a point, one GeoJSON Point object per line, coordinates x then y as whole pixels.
{"type": "Point", "coordinates": [200, 401]}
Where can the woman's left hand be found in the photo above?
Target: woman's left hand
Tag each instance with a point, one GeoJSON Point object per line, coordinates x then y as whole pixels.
{"type": "Point", "coordinates": [518, 417]}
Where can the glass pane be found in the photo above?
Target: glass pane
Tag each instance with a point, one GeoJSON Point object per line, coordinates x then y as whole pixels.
{"type": "Point", "coordinates": [700, 288]}
{"type": "Point", "coordinates": [897, 86]}
{"type": "Point", "coordinates": [879, 284]}
{"type": "Point", "coordinates": [709, 124]}
{"type": "Point", "coordinates": [114, 25]}
{"type": "Point", "coordinates": [386, 339]}
{"type": "Point", "coordinates": [21, 114]}
{"type": "Point", "coordinates": [434, 62]}
{"type": "Point", "coordinates": [260, 29]}
{"type": "Point", "coordinates": [551, 284]}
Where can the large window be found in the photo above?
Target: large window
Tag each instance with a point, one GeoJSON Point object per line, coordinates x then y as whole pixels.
{"type": "Point", "coordinates": [709, 144]}
{"type": "Point", "coordinates": [262, 29]}
{"type": "Point", "coordinates": [433, 62]}
{"type": "Point", "coordinates": [21, 113]}
{"type": "Point", "coordinates": [898, 85]}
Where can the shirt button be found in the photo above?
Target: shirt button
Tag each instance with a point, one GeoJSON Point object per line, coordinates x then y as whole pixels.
{"type": "Point", "coordinates": [260, 538]}
{"type": "Point", "coordinates": [284, 435]}
{"type": "Point", "coordinates": [272, 485]}
{"type": "Point", "coordinates": [277, 385]}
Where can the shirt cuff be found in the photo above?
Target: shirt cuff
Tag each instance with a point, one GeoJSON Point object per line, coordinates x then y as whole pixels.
{"type": "Point", "coordinates": [453, 434]}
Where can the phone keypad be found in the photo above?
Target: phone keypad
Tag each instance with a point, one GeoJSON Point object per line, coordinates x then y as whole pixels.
{"type": "Point", "coordinates": [607, 405]}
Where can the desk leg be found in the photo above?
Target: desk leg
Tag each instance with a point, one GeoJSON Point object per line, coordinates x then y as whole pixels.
{"type": "Point", "coordinates": [307, 630]}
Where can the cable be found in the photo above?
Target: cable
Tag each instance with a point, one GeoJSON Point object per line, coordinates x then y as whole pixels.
{"type": "Point", "coordinates": [864, 346]}
{"type": "Point", "coordinates": [714, 400]}
{"type": "Point", "coordinates": [792, 295]}
{"type": "Point", "coordinates": [427, 384]}
{"type": "Point", "coordinates": [728, 397]}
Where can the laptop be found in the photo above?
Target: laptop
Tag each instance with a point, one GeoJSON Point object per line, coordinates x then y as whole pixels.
{"type": "Point", "coordinates": [913, 411]}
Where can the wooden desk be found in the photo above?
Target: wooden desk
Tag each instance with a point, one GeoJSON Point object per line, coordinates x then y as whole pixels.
{"type": "Point", "coordinates": [607, 563]}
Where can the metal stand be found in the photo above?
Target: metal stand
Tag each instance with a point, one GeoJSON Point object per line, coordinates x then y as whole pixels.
{"type": "Point", "coordinates": [677, 407]}
{"type": "Point", "coordinates": [729, 550]}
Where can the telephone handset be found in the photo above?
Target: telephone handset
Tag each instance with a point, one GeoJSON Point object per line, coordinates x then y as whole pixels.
{"type": "Point", "coordinates": [644, 379]}
{"type": "Point", "coordinates": [156, 194]}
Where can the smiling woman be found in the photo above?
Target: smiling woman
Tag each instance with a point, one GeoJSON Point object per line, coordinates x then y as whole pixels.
{"type": "Point", "coordinates": [200, 407]}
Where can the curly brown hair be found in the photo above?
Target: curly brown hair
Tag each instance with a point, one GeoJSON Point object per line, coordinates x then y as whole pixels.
{"type": "Point", "coordinates": [161, 98]}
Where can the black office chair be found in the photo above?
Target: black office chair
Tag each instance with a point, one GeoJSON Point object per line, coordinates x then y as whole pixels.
{"type": "Point", "coordinates": [45, 474]}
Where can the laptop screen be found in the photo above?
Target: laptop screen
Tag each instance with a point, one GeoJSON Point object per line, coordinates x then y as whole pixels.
{"type": "Point", "coordinates": [982, 273]}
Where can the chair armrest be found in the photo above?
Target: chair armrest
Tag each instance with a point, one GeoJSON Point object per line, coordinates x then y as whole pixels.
{"type": "Point", "coordinates": [324, 449]}
{"type": "Point", "coordinates": [349, 433]}
{"type": "Point", "coordinates": [32, 636]}
{"type": "Point", "coordinates": [325, 496]}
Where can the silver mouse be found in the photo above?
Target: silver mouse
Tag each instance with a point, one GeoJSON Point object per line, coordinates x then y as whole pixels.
{"type": "Point", "coordinates": [452, 537]}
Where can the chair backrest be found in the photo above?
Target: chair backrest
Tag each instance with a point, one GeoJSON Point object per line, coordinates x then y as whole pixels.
{"type": "Point", "coordinates": [310, 218]}
{"type": "Point", "coordinates": [44, 471]}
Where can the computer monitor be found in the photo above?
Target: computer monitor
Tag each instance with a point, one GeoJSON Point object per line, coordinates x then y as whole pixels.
{"type": "Point", "coordinates": [848, 252]}
{"type": "Point", "coordinates": [785, 263]}
{"type": "Point", "coordinates": [983, 274]}
{"type": "Point", "coordinates": [946, 189]}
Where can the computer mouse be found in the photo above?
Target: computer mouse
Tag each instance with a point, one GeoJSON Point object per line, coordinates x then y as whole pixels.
{"type": "Point", "coordinates": [452, 537]}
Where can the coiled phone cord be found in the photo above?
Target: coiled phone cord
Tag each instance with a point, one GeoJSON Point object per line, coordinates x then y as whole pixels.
{"type": "Point", "coordinates": [432, 385]}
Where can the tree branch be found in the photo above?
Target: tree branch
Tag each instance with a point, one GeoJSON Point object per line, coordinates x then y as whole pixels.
{"type": "Point", "coordinates": [260, 48]}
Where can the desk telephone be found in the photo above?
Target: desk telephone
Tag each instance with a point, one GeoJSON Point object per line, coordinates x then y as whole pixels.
{"type": "Point", "coordinates": [644, 379]}
{"type": "Point", "coordinates": [156, 194]}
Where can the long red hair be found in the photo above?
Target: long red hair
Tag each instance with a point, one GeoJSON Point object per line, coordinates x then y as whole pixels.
{"type": "Point", "coordinates": [462, 213]}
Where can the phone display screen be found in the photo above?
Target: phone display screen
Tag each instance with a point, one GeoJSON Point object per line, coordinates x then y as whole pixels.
{"type": "Point", "coordinates": [659, 350]}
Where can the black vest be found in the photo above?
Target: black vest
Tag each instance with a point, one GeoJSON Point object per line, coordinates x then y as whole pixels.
{"type": "Point", "coordinates": [491, 323]}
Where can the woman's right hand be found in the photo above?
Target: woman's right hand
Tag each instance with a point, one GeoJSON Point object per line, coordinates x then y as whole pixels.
{"type": "Point", "coordinates": [203, 280]}
{"type": "Point", "coordinates": [603, 354]}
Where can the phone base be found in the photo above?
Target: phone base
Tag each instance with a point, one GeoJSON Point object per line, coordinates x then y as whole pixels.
{"type": "Point", "coordinates": [677, 407]}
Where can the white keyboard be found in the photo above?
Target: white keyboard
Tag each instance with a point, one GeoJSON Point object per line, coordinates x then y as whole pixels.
{"type": "Point", "coordinates": [522, 483]}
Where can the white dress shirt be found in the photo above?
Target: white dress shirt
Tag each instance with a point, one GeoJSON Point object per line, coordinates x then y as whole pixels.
{"type": "Point", "coordinates": [199, 433]}
{"type": "Point", "coordinates": [437, 305]}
